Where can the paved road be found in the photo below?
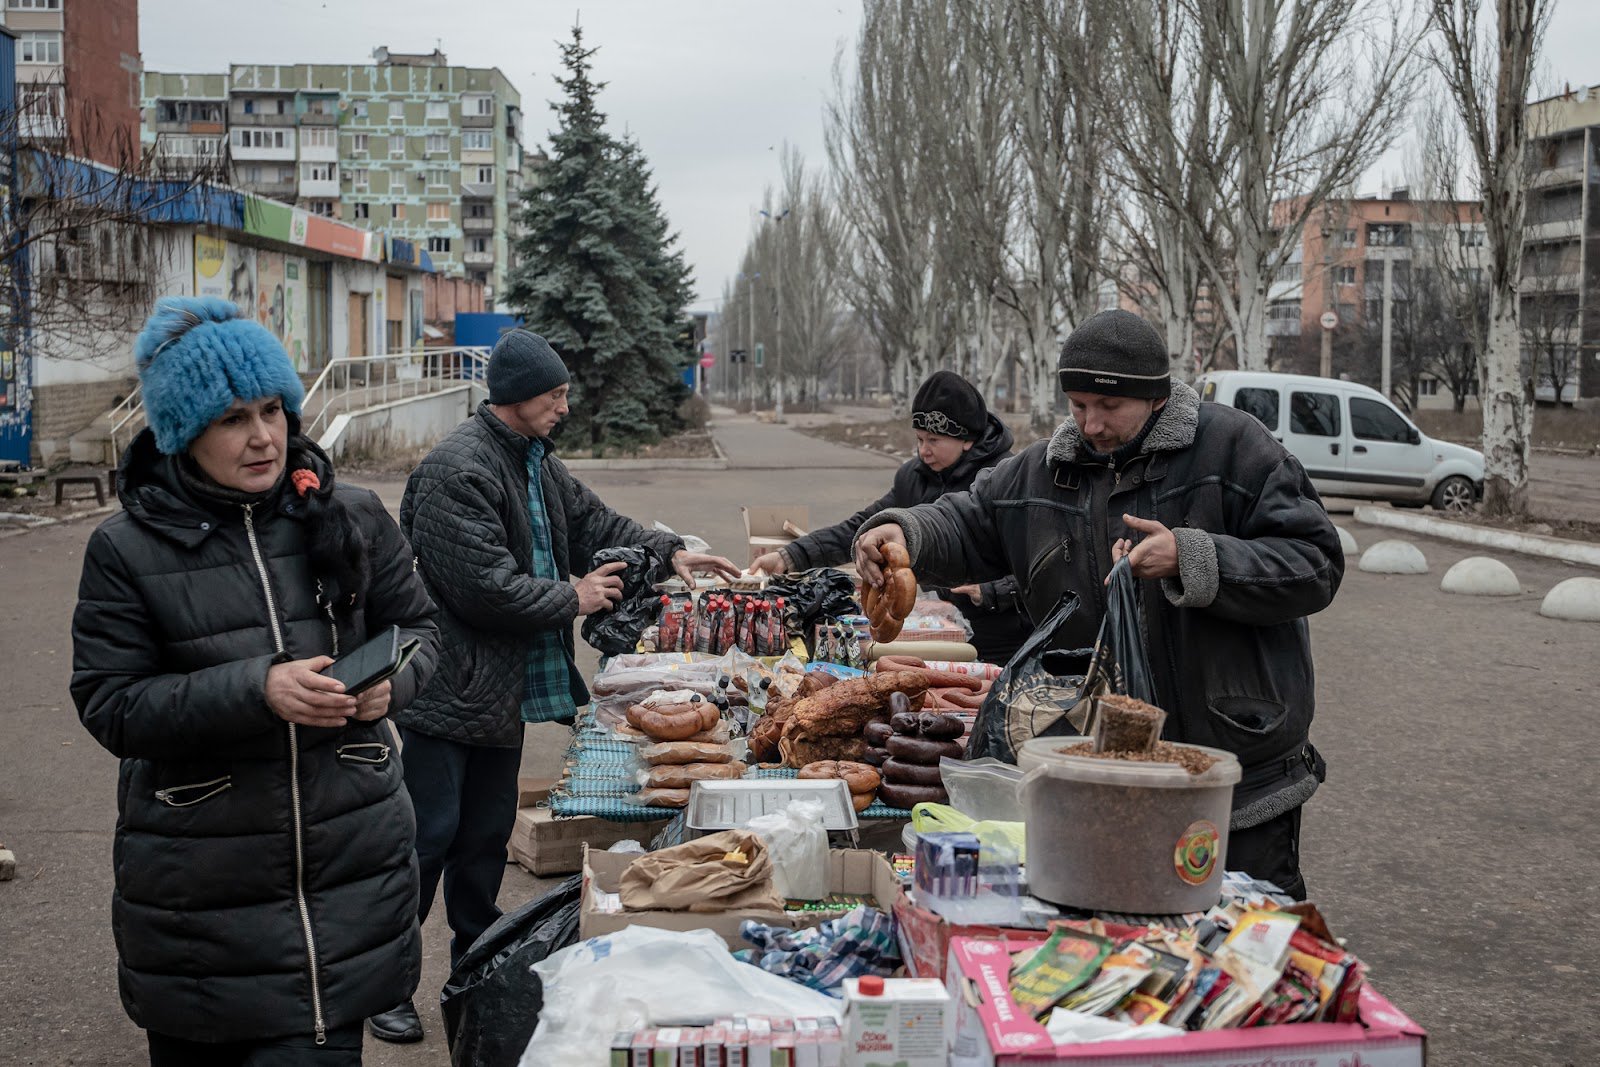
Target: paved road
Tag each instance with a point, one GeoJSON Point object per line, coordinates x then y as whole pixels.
{"type": "Point", "coordinates": [1453, 844]}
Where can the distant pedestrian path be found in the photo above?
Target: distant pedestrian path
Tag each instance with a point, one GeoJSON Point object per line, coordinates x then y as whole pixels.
{"type": "Point", "coordinates": [754, 445]}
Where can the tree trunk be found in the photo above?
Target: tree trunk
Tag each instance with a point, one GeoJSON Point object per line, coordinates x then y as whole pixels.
{"type": "Point", "coordinates": [1505, 393]}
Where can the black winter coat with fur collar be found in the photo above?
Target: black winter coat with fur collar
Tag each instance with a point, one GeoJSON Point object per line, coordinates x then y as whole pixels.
{"type": "Point", "coordinates": [1227, 638]}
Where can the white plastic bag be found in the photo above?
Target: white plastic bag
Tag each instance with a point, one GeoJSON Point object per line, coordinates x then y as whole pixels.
{"type": "Point", "coordinates": [798, 841]}
{"type": "Point", "coordinates": [641, 976]}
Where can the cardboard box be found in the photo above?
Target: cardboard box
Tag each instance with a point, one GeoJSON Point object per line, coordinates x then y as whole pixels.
{"type": "Point", "coordinates": [763, 526]}
{"type": "Point", "coordinates": [543, 845]}
{"type": "Point", "coordinates": [925, 937]}
{"type": "Point", "coordinates": [531, 792]}
{"type": "Point", "coordinates": [861, 872]}
{"type": "Point", "coordinates": [991, 1031]}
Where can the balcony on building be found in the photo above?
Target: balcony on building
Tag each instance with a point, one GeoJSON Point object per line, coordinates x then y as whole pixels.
{"type": "Point", "coordinates": [477, 110]}
{"type": "Point", "coordinates": [191, 116]}
{"type": "Point", "coordinates": [1556, 177]}
{"type": "Point", "coordinates": [257, 108]}
{"type": "Point", "coordinates": [480, 260]}
{"type": "Point", "coordinates": [253, 144]}
{"type": "Point", "coordinates": [1554, 230]}
{"type": "Point", "coordinates": [477, 224]}
{"type": "Point", "coordinates": [477, 190]}
{"type": "Point", "coordinates": [276, 188]}
{"type": "Point", "coordinates": [318, 108]}
{"type": "Point", "coordinates": [319, 188]}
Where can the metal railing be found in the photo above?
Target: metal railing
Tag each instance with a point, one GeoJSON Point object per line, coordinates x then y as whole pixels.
{"type": "Point", "coordinates": [127, 419]}
{"type": "Point", "coordinates": [355, 383]}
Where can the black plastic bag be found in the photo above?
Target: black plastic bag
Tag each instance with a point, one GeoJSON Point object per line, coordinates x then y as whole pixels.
{"type": "Point", "coordinates": [809, 596]}
{"type": "Point", "coordinates": [492, 1001]}
{"type": "Point", "coordinates": [615, 632]}
{"type": "Point", "coordinates": [1120, 664]}
{"type": "Point", "coordinates": [639, 579]}
{"type": "Point", "coordinates": [1034, 693]}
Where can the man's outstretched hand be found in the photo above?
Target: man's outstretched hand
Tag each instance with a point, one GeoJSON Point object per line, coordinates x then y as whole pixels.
{"type": "Point", "coordinates": [869, 552]}
{"type": "Point", "coordinates": [687, 564]}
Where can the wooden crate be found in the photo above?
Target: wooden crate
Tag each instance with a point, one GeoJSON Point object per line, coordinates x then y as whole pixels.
{"type": "Point", "coordinates": [543, 845]}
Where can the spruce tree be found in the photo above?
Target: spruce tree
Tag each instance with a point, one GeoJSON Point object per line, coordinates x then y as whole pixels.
{"type": "Point", "coordinates": [598, 276]}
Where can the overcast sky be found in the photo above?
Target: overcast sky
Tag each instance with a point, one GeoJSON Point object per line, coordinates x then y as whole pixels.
{"type": "Point", "coordinates": [711, 88]}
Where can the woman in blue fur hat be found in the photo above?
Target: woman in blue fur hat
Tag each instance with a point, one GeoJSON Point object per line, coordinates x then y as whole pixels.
{"type": "Point", "coordinates": [266, 890]}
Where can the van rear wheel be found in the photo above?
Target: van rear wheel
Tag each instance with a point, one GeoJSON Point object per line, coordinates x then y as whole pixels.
{"type": "Point", "coordinates": [1454, 495]}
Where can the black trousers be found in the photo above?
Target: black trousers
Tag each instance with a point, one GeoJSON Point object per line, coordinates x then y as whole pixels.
{"type": "Point", "coordinates": [1270, 852]}
{"type": "Point", "coordinates": [466, 802]}
{"type": "Point", "coordinates": [342, 1049]}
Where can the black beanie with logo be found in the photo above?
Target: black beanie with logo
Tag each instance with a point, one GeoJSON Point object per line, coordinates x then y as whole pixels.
{"type": "Point", "coordinates": [1115, 353]}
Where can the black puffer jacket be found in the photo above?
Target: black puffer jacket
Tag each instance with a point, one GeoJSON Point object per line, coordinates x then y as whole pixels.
{"type": "Point", "coordinates": [1227, 639]}
{"type": "Point", "coordinates": [265, 879]}
{"type": "Point", "coordinates": [466, 513]}
{"type": "Point", "coordinates": [999, 624]}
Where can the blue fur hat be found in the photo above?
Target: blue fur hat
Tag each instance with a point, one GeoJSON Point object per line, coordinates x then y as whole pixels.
{"type": "Point", "coordinates": [196, 355]}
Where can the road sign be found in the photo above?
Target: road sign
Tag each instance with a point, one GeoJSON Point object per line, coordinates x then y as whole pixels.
{"type": "Point", "coordinates": [708, 361]}
{"type": "Point", "coordinates": [761, 354]}
{"type": "Point", "coordinates": [1329, 320]}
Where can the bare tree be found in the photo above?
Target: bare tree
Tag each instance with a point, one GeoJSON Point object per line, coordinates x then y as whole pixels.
{"type": "Point", "coordinates": [1160, 106]}
{"type": "Point", "coordinates": [1054, 50]}
{"type": "Point", "coordinates": [80, 252]}
{"type": "Point", "coordinates": [885, 168]}
{"type": "Point", "coordinates": [1309, 93]}
{"type": "Point", "coordinates": [807, 252]}
{"type": "Point", "coordinates": [1488, 71]}
{"type": "Point", "coordinates": [1549, 319]}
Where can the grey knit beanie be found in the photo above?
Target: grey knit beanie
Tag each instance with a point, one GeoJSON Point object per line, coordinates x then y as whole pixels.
{"type": "Point", "coordinates": [523, 366]}
{"type": "Point", "coordinates": [1115, 353]}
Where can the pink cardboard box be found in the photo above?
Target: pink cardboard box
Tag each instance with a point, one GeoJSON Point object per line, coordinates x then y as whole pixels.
{"type": "Point", "coordinates": [991, 1031]}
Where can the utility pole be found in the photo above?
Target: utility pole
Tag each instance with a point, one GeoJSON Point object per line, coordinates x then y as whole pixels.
{"type": "Point", "coordinates": [1326, 368]}
{"type": "Point", "coordinates": [1388, 320]}
{"type": "Point", "coordinates": [750, 349]}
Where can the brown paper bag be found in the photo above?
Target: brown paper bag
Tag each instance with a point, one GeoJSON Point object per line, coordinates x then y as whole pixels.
{"type": "Point", "coordinates": [695, 877]}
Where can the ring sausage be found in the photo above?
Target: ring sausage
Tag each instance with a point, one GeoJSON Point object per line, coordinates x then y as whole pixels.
{"type": "Point", "coordinates": [920, 750]}
{"type": "Point", "coordinates": [909, 796]}
{"type": "Point", "coordinates": [877, 733]}
{"type": "Point", "coordinates": [899, 773]}
{"type": "Point", "coordinates": [937, 727]}
{"type": "Point", "coordinates": [905, 723]}
{"type": "Point", "coordinates": [674, 722]}
{"type": "Point", "coordinates": [875, 756]}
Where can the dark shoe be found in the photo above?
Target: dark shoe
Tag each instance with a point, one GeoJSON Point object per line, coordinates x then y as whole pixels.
{"type": "Point", "coordinates": [400, 1025]}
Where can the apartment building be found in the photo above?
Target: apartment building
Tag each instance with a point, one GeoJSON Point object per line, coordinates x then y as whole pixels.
{"type": "Point", "coordinates": [408, 144]}
{"type": "Point", "coordinates": [1356, 261]}
{"type": "Point", "coordinates": [77, 74]}
{"type": "Point", "coordinates": [1561, 257]}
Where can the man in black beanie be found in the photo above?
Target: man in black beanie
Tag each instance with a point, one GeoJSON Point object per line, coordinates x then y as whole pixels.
{"type": "Point", "coordinates": [500, 527]}
{"type": "Point", "coordinates": [957, 440]}
{"type": "Point", "coordinates": [1231, 543]}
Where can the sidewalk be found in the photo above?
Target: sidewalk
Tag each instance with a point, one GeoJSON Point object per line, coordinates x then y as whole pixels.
{"type": "Point", "coordinates": [752, 445]}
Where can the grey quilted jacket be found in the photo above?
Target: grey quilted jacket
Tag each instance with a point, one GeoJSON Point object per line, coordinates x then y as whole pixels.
{"type": "Point", "coordinates": [465, 511]}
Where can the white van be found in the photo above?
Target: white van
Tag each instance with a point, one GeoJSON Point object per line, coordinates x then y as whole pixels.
{"type": "Point", "coordinates": [1351, 440]}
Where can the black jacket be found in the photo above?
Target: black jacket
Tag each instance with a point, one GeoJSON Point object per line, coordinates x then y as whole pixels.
{"type": "Point", "coordinates": [1227, 639]}
{"type": "Point", "coordinates": [264, 871]}
{"type": "Point", "coordinates": [465, 511]}
{"type": "Point", "coordinates": [998, 623]}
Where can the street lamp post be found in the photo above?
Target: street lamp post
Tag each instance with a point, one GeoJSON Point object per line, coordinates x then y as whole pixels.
{"type": "Point", "coordinates": [750, 338]}
{"type": "Point", "coordinates": [777, 316]}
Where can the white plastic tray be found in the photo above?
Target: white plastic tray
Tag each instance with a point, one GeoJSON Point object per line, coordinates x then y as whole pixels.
{"type": "Point", "coordinates": [723, 805]}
